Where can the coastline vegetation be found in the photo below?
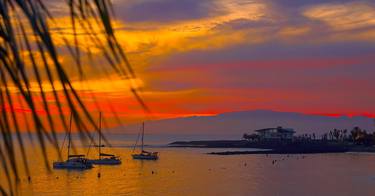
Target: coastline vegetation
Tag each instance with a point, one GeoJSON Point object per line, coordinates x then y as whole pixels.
{"type": "Point", "coordinates": [356, 136]}
{"type": "Point", "coordinates": [334, 141]}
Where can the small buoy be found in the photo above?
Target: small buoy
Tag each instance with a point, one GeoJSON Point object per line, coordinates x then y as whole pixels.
{"type": "Point", "coordinates": [152, 172]}
{"type": "Point", "coordinates": [99, 175]}
{"type": "Point", "coordinates": [57, 177]}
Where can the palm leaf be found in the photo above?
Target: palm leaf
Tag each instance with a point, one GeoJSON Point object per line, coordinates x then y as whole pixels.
{"type": "Point", "coordinates": [25, 27]}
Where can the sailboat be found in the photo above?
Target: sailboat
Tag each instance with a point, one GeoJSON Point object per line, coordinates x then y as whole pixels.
{"type": "Point", "coordinates": [145, 155]}
{"type": "Point", "coordinates": [73, 161]}
{"type": "Point", "coordinates": [104, 159]}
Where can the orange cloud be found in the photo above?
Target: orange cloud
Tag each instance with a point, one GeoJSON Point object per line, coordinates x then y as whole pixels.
{"type": "Point", "coordinates": [343, 16]}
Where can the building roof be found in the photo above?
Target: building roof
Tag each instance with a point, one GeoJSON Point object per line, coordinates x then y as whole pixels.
{"type": "Point", "coordinates": [264, 130]}
{"type": "Point", "coordinates": [278, 129]}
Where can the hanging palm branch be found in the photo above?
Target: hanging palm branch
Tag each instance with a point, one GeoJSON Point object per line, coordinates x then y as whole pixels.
{"type": "Point", "coordinates": [30, 49]}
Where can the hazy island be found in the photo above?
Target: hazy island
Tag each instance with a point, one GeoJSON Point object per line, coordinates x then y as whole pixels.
{"type": "Point", "coordinates": [281, 140]}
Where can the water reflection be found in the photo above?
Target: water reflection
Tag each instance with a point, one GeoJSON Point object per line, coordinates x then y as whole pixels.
{"type": "Point", "coordinates": [181, 171]}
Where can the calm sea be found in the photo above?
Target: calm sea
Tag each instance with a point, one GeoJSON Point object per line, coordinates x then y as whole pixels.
{"type": "Point", "coordinates": [190, 171]}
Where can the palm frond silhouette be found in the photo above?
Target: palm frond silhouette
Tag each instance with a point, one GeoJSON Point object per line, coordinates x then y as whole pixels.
{"type": "Point", "coordinates": [30, 52]}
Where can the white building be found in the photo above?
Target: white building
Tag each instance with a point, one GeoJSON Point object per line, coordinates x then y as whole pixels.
{"type": "Point", "coordinates": [277, 133]}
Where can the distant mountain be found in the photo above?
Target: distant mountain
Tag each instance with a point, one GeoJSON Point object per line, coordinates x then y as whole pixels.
{"type": "Point", "coordinates": [237, 123]}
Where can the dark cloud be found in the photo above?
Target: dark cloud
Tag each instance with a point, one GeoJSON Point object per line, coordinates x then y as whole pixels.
{"type": "Point", "coordinates": [295, 5]}
{"type": "Point", "coordinates": [240, 24]}
{"type": "Point", "coordinates": [302, 3]}
{"type": "Point", "coordinates": [317, 67]}
{"type": "Point", "coordinates": [166, 10]}
{"type": "Point", "coordinates": [274, 50]}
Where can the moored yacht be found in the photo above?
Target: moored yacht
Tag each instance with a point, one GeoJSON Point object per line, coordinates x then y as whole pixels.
{"type": "Point", "coordinates": [145, 155]}
{"type": "Point", "coordinates": [73, 161]}
{"type": "Point", "coordinates": [104, 159]}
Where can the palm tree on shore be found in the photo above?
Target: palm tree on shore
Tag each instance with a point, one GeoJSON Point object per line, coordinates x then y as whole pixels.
{"type": "Point", "coordinates": [27, 39]}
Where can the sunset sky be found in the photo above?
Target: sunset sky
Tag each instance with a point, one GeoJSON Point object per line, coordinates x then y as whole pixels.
{"type": "Point", "coordinates": [195, 57]}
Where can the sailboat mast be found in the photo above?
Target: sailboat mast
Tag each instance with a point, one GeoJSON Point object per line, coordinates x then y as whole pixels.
{"type": "Point", "coordinates": [100, 134]}
{"type": "Point", "coordinates": [143, 133]}
{"type": "Point", "coordinates": [69, 134]}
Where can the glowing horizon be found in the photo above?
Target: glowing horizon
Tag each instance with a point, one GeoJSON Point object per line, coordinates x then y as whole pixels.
{"type": "Point", "coordinates": [212, 57]}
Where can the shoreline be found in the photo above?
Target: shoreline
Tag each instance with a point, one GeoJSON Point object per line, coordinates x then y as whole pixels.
{"type": "Point", "coordinates": [276, 147]}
